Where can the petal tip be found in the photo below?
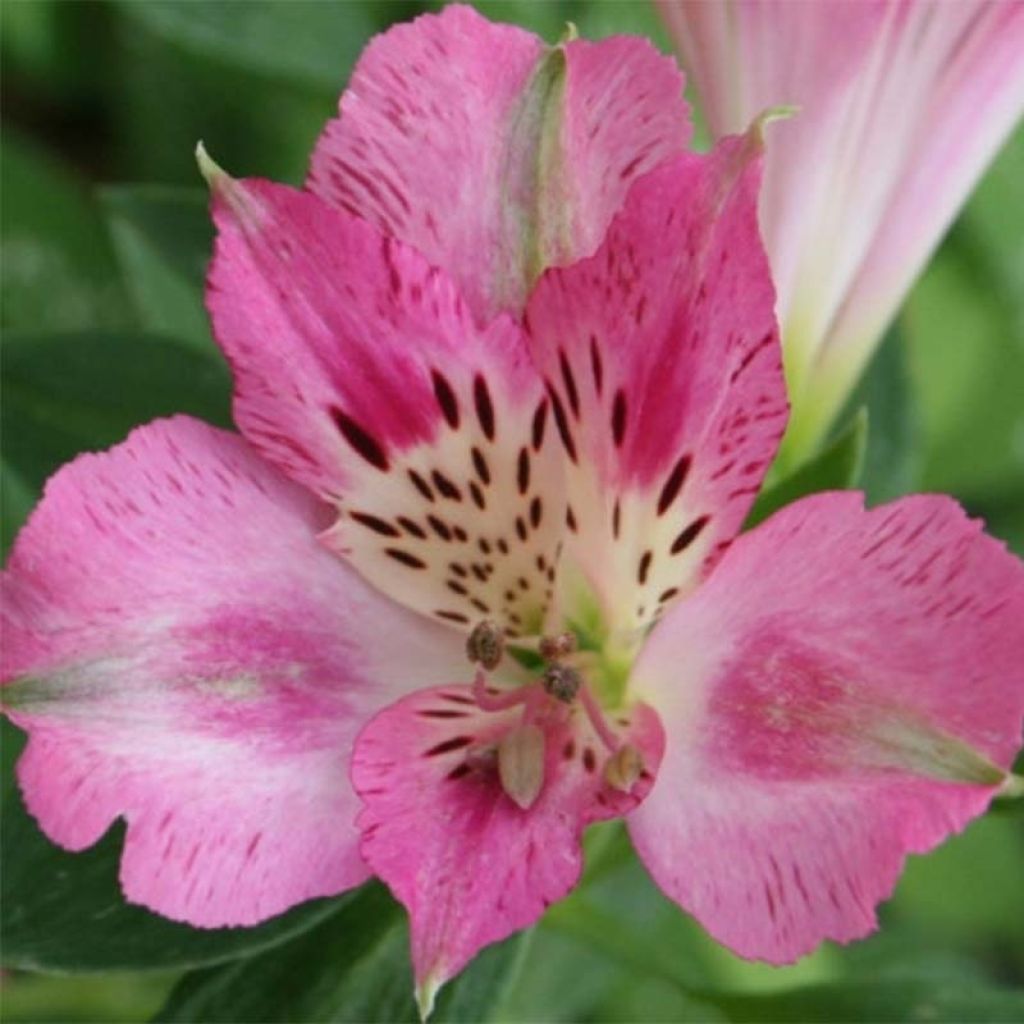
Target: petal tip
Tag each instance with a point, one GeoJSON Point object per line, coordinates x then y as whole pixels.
{"type": "Point", "coordinates": [211, 171]}
{"type": "Point", "coordinates": [426, 994]}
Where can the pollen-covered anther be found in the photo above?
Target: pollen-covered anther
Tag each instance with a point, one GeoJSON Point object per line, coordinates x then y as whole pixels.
{"type": "Point", "coordinates": [486, 644]}
{"type": "Point", "coordinates": [561, 682]}
{"type": "Point", "coordinates": [554, 648]}
{"type": "Point", "coordinates": [623, 768]}
{"type": "Point", "coordinates": [521, 764]}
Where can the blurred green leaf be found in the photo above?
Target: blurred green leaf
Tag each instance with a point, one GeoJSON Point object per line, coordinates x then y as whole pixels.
{"type": "Point", "coordinates": [67, 393]}
{"type": "Point", "coordinates": [835, 467]}
{"type": "Point", "coordinates": [58, 268]}
{"type": "Point", "coordinates": [163, 238]}
{"type": "Point", "coordinates": [913, 999]}
{"type": "Point", "coordinates": [352, 967]}
{"type": "Point", "coordinates": [16, 501]}
{"type": "Point", "coordinates": [303, 41]}
{"type": "Point", "coordinates": [64, 911]}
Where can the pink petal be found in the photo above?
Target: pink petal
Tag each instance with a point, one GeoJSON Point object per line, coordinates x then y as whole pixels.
{"type": "Point", "coordinates": [359, 371]}
{"type": "Point", "coordinates": [901, 107]}
{"type": "Point", "coordinates": [847, 688]}
{"type": "Point", "coordinates": [188, 657]}
{"type": "Point", "coordinates": [493, 154]}
{"type": "Point", "coordinates": [661, 357]}
{"type": "Point", "coordinates": [470, 866]}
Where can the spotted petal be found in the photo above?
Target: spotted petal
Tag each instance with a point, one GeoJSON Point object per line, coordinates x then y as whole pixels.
{"type": "Point", "coordinates": [661, 358]}
{"type": "Point", "coordinates": [361, 373]}
{"type": "Point", "coordinates": [470, 865]}
{"type": "Point", "coordinates": [494, 154]}
{"type": "Point", "coordinates": [187, 656]}
{"type": "Point", "coordinates": [847, 688]}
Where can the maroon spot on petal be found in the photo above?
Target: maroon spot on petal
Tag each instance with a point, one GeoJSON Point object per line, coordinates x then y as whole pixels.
{"type": "Point", "coordinates": [385, 529]}
{"type": "Point", "coordinates": [616, 519]}
{"type": "Point", "coordinates": [667, 595]}
{"type": "Point", "coordinates": [459, 771]}
{"type": "Point", "coordinates": [521, 528]}
{"type": "Point", "coordinates": [536, 512]}
{"type": "Point", "coordinates": [596, 366]}
{"type": "Point", "coordinates": [421, 485]}
{"type": "Point", "coordinates": [569, 750]}
{"type": "Point", "coordinates": [452, 617]}
{"type": "Point", "coordinates": [644, 567]}
{"type": "Point", "coordinates": [445, 486]}
{"type": "Point", "coordinates": [562, 423]}
{"type": "Point", "coordinates": [570, 383]}
{"type": "Point", "coordinates": [570, 518]}
{"type": "Point", "coordinates": [589, 760]}
{"type": "Point", "coordinates": [689, 535]}
{"type": "Point", "coordinates": [457, 588]}
{"type": "Point", "coordinates": [619, 417]}
{"type": "Point", "coordinates": [405, 558]}
{"type": "Point", "coordinates": [477, 495]}
{"type": "Point", "coordinates": [445, 398]}
{"type": "Point", "coordinates": [673, 484]}
{"type": "Point", "coordinates": [446, 746]}
{"type": "Point", "coordinates": [442, 713]}
{"type": "Point", "coordinates": [412, 527]}
{"type": "Point", "coordinates": [460, 534]}
{"type": "Point", "coordinates": [458, 570]}
{"type": "Point", "coordinates": [480, 606]}
{"type": "Point", "coordinates": [480, 465]}
{"type": "Point", "coordinates": [361, 442]}
{"type": "Point", "coordinates": [540, 419]}
{"type": "Point", "coordinates": [503, 545]}
{"type": "Point", "coordinates": [440, 527]}
{"type": "Point", "coordinates": [523, 471]}
{"type": "Point", "coordinates": [484, 406]}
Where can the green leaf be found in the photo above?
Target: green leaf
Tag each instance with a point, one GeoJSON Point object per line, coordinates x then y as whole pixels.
{"type": "Point", "coordinates": [66, 393]}
{"type": "Point", "coordinates": [163, 238]}
{"type": "Point", "coordinates": [354, 966]}
{"type": "Point", "coordinates": [16, 501]}
{"type": "Point", "coordinates": [303, 41]}
{"type": "Point", "coordinates": [58, 268]}
{"type": "Point", "coordinates": [64, 911]}
{"type": "Point", "coordinates": [836, 467]}
{"type": "Point", "coordinates": [914, 999]}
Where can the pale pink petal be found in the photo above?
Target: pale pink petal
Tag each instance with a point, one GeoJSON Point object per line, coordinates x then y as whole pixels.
{"type": "Point", "coordinates": [661, 357]}
{"type": "Point", "coordinates": [469, 864]}
{"type": "Point", "coordinates": [494, 154]}
{"type": "Point", "coordinates": [846, 688]}
{"type": "Point", "coordinates": [359, 371]}
{"type": "Point", "coordinates": [185, 655]}
{"type": "Point", "coordinates": [901, 107]}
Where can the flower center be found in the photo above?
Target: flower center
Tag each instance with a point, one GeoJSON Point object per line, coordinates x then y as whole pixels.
{"type": "Point", "coordinates": [561, 690]}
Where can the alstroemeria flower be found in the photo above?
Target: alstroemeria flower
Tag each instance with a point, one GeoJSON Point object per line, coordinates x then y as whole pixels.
{"type": "Point", "coordinates": [901, 106]}
{"type": "Point", "coordinates": [255, 650]}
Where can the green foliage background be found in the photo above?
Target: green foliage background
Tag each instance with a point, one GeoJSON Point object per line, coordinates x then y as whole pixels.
{"type": "Point", "coordinates": [105, 239]}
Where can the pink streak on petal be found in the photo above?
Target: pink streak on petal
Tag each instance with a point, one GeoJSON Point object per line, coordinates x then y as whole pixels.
{"type": "Point", "coordinates": [192, 660]}
{"type": "Point", "coordinates": [470, 866]}
{"type": "Point", "coordinates": [663, 352]}
{"type": "Point", "coordinates": [845, 689]}
{"type": "Point", "coordinates": [440, 136]}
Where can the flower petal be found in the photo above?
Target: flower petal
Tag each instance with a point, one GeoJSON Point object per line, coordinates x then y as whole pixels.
{"type": "Point", "coordinates": [493, 154]}
{"type": "Point", "coordinates": [901, 107]}
{"type": "Point", "coordinates": [470, 865]}
{"type": "Point", "coordinates": [359, 371]}
{"type": "Point", "coordinates": [188, 657]}
{"type": "Point", "coordinates": [662, 362]}
{"type": "Point", "coordinates": [847, 688]}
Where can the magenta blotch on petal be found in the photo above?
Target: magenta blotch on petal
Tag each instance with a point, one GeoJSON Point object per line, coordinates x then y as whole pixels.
{"type": "Point", "coordinates": [846, 688]}
{"type": "Point", "coordinates": [184, 654]}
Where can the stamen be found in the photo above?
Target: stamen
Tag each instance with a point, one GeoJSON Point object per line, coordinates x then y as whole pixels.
{"type": "Point", "coordinates": [597, 720]}
{"type": "Point", "coordinates": [497, 702]}
{"type": "Point", "coordinates": [623, 768]}
{"type": "Point", "coordinates": [554, 648]}
{"type": "Point", "coordinates": [562, 682]}
{"type": "Point", "coordinates": [486, 644]}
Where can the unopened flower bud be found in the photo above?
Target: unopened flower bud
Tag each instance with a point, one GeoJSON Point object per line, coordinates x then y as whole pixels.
{"type": "Point", "coordinates": [623, 768]}
{"type": "Point", "coordinates": [521, 764]}
{"type": "Point", "coordinates": [486, 644]}
{"type": "Point", "coordinates": [562, 682]}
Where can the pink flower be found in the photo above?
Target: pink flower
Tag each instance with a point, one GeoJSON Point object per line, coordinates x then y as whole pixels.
{"type": "Point", "coordinates": [901, 105]}
{"type": "Point", "coordinates": [255, 651]}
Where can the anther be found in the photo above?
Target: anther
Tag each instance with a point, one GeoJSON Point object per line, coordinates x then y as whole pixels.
{"type": "Point", "coordinates": [623, 768]}
{"type": "Point", "coordinates": [561, 682]}
{"type": "Point", "coordinates": [554, 648]}
{"type": "Point", "coordinates": [486, 644]}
